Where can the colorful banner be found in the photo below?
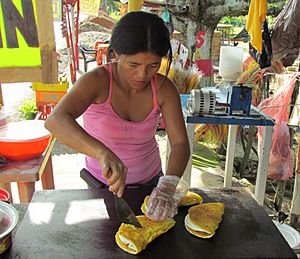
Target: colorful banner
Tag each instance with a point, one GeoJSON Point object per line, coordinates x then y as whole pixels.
{"type": "Point", "coordinates": [205, 65]}
{"type": "Point", "coordinates": [90, 7]}
{"type": "Point", "coordinates": [19, 43]}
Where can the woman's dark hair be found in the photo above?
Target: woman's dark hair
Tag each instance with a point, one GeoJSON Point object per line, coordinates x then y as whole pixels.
{"type": "Point", "coordinates": [141, 32]}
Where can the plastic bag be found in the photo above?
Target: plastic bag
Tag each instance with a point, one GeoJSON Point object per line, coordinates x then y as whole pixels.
{"type": "Point", "coordinates": [281, 160]}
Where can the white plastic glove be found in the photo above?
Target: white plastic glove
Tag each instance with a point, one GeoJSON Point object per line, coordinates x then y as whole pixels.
{"type": "Point", "coordinates": [165, 197]}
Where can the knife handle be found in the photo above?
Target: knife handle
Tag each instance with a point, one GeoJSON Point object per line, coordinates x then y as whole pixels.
{"type": "Point", "coordinates": [92, 181]}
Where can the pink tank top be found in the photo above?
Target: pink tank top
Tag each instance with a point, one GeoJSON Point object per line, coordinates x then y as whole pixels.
{"type": "Point", "coordinates": [133, 142]}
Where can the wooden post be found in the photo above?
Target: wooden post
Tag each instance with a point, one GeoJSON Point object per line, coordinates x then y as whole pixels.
{"type": "Point", "coordinates": [279, 195]}
{"type": "Point", "coordinates": [295, 208]}
{"type": "Point", "coordinates": [1, 97]}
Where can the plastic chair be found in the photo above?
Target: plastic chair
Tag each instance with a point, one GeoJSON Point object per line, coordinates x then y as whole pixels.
{"type": "Point", "coordinates": [89, 55]}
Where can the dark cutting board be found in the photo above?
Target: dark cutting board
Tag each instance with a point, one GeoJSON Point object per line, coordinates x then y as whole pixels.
{"type": "Point", "coordinates": [82, 224]}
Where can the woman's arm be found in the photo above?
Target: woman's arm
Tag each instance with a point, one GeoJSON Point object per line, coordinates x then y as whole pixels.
{"type": "Point", "coordinates": [92, 87]}
{"type": "Point", "coordinates": [169, 100]}
{"type": "Point", "coordinates": [62, 120]}
{"type": "Point", "coordinates": [163, 201]}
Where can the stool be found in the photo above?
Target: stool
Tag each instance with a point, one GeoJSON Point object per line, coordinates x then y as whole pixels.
{"type": "Point", "coordinates": [26, 173]}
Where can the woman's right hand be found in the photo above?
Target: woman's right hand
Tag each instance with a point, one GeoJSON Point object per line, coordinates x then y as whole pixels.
{"type": "Point", "coordinates": [114, 171]}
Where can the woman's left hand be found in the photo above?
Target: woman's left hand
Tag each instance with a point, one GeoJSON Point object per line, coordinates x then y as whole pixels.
{"type": "Point", "coordinates": [161, 204]}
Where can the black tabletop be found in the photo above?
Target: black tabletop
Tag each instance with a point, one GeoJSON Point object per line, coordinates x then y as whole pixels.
{"type": "Point", "coordinates": [83, 223]}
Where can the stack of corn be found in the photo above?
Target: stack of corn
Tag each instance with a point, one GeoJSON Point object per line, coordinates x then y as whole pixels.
{"type": "Point", "coordinates": [184, 79]}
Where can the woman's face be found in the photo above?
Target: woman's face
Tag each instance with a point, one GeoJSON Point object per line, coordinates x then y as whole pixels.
{"type": "Point", "coordinates": [137, 70]}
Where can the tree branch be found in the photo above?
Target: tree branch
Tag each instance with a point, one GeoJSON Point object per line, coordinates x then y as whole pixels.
{"type": "Point", "coordinates": [227, 8]}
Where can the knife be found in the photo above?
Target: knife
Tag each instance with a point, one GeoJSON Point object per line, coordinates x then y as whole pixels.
{"type": "Point", "coordinates": [124, 212]}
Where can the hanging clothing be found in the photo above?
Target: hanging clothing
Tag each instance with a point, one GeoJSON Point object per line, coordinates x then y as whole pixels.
{"type": "Point", "coordinates": [285, 34]}
{"type": "Point", "coordinates": [133, 142]}
{"type": "Point", "coordinates": [256, 16]}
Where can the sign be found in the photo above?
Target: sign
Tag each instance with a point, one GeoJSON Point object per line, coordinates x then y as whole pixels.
{"type": "Point", "coordinates": [27, 43]}
{"type": "Point", "coordinates": [19, 42]}
{"type": "Point", "coordinates": [204, 65]}
{"type": "Point", "coordinates": [90, 7]}
{"type": "Point", "coordinates": [57, 11]}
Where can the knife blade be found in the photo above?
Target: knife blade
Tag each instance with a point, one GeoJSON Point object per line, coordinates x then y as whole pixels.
{"type": "Point", "coordinates": [125, 213]}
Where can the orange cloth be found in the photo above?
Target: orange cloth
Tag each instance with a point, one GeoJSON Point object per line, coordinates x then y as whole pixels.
{"type": "Point", "coordinates": [135, 5]}
{"type": "Point", "coordinates": [256, 16]}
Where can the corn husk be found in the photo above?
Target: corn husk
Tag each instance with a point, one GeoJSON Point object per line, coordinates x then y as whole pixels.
{"type": "Point", "coordinates": [184, 79]}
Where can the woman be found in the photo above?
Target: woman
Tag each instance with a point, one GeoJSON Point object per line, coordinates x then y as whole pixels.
{"type": "Point", "coordinates": [121, 103]}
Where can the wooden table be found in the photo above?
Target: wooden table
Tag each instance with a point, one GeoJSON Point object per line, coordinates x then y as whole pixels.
{"type": "Point", "coordinates": [82, 224]}
{"type": "Point", "coordinates": [26, 173]}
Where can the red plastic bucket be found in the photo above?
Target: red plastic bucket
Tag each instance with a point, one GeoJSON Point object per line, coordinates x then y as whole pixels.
{"type": "Point", "coordinates": [4, 195]}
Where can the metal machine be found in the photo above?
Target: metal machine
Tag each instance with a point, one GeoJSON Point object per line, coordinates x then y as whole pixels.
{"type": "Point", "coordinates": [237, 101]}
{"type": "Point", "coordinates": [201, 102]}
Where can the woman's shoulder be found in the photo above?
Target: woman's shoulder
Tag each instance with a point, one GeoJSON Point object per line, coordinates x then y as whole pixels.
{"type": "Point", "coordinates": [165, 84]}
{"type": "Point", "coordinates": [94, 78]}
{"type": "Point", "coordinates": [95, 83]}
{"type": "Point", "coordinates": [97, 73]}
{"type": "Point", "coordinates": [166, 90]}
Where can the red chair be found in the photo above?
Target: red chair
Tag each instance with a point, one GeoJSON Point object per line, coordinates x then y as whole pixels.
{"type": "Point", "coordinates": [101, 48]}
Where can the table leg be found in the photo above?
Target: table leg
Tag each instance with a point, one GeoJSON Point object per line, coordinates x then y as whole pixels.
{"type": "Point", "coordinates": [263, 164]}
{"type": "Point", "coordinates": [187, 175]}
{"type": "Point", "coordinates": [26, 190]}
{"type": "Point", "coordinates": [190, 127]}
{"type": "Point", "coordinates": [230, 155]}
{"type": "Point", "coordinates": [47, 176]}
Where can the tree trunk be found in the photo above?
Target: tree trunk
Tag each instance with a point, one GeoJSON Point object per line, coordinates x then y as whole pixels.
{"type": "Point", "coordinates": [198, 39]}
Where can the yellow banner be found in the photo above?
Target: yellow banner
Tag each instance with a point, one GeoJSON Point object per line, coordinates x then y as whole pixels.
{"type": "Point", "coordinates": [19, 43]}
{"type": "Point", "coordinates": [56, 6]}
{"type": "Point", "coordinates": [90, 7]}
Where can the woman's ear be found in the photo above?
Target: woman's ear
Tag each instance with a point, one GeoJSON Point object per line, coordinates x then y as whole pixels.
{"type": "Point", "coordinates": [113, 55]}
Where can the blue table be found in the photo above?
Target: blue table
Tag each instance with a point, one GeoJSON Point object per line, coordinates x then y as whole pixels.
{"type": "Point", "coordinates": [256, 118]}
